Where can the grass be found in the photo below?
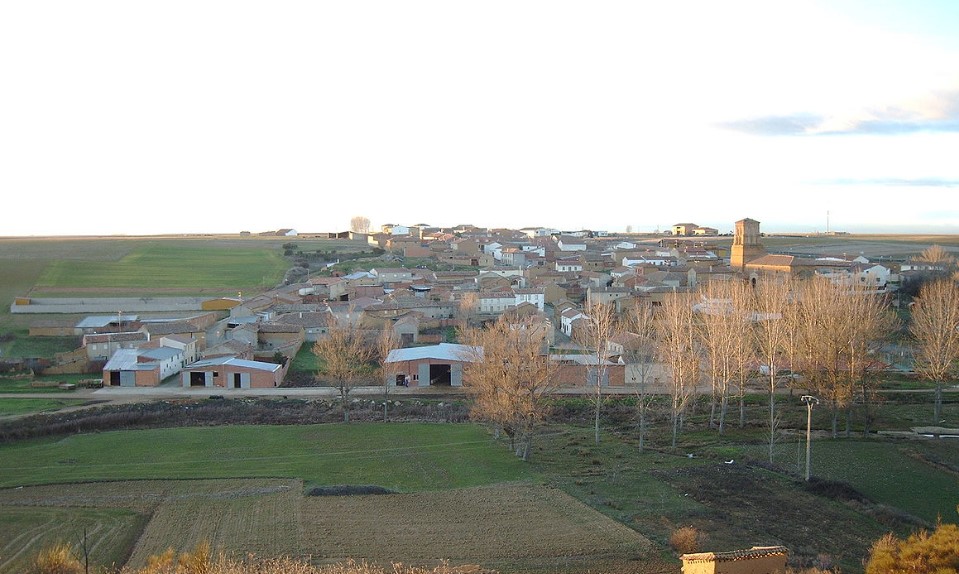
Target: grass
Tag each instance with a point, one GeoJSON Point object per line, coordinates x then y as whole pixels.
{"type": "Point", "coordinates": [306, 361]}
{"type": "Point", "coordinates": [897, 474]}
{"type": "Point", "coordinates": [406, 458]}
{"type": "Point", "coordinates": [26, 406]}
{"type": "Point", "coordinates": [44, 384]}
{"type": "Point", "coordinates": [35, 347]}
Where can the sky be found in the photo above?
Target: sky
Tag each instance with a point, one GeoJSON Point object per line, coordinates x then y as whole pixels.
{"type": "Point", "coordinates": [139, 118]}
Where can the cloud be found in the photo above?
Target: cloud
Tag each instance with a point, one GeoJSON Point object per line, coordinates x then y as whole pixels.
{"type": "Point", "coordinates": [934, 112]}
{"type": "Point", "coordinates": [892, 182]}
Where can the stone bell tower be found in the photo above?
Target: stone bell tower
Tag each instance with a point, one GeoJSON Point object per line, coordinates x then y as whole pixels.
{"type": "Point", "coordinates": [746, 245]}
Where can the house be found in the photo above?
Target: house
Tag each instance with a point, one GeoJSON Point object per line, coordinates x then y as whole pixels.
{"type": "Point", "coordinates": [100, 347]}
{"type": "Point", "coordinates": [407, 329]}
{"type": "Point", "coordinates": [513, 256]}
{"type": "Point", "coordinates": [185, 328]}
{"type": "Point", "coordinates": [392, 275]}
{"type": "Point", "coordinates": [756, 560]}
{"type": "Point", "coordinates": [567, 318]}
{"type": "Point", "coordinates": [496, 302]}
{"type": "Point", "coordinates": [684, 228]}
{"type": "Point", "coordinates": [188, 345]}
{"type": "Point", "coordinates": [569, 265]}
{"type": "Point", "coordinates": [533, 296]}
{"type": "Point", "coordinates": [434, 365]}
{"type": "Point", "coordinates": [570, 243]}
{"type": "Point", "coordinates": [534, 232]}
{"type": "Point", "coordinates": [398, 307]}
{"type": "Point", "coordinates": [285, 338]}
{"type": "Point", "coordinates": [232, 373]}
{"type": "Point", "coordinates": [604, 295]}
{"type": "Point", "coordinates": [315, 324]}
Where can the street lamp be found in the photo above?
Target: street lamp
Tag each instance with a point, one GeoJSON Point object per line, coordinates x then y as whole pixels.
{"type": "Point", "coordinates": [810, 401]}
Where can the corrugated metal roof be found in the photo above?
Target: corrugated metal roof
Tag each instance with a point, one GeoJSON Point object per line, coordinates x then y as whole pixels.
{"type": "Point", "coordinates": [441, 352]}
{"type": "Point", "coordinates": [126, 360]}
{"type": "Point", "coordinates": [234, 362]}
{"type": "Point", "coordinates": [95, 321]}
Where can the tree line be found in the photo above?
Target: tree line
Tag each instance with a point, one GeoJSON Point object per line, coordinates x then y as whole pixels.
{"type": "Point", "coordinates": [781, 332]}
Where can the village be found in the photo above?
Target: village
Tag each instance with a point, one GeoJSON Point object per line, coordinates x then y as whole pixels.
{"type": "Point", "coordinates": [540, 276]}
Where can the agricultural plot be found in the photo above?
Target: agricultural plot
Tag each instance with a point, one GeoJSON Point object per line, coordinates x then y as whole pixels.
{"type": "Point", "coordinates": [883, 469]}
{"type": "Point", "coordinates": [24, 530]}
{"type": "Point", "coordinates": [402, 457]}
{"type": "Point", "coordinates": [510, 527]}
{"type": "Point", "coordinates": [162, 267]}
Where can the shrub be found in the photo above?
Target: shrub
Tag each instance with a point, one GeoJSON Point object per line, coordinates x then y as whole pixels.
{"type": "Point", "coordinates": [685, 540]}
{"type": "Point", "coordinates": [58, 559]}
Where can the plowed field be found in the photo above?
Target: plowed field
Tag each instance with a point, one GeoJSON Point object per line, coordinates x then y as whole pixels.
{"type": "Point", "coordinates": [511, 527]}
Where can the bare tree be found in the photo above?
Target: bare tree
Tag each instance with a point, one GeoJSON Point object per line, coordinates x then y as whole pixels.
{"type": "Point", "coordinates": [744, 351]}
{"type": "Point", "coordinates": [872, 322]}
{"type": "Point", "coordinates": [509, 378]}
{"type": "Point", "coordinates": [639, 355]}
{"type": "Point", "coordinates": [346, 356]}
{"type": "Point", "coordinates": [770, 333]}
{"type": "Point", "coordinates": [936, 255]}
{"type": "Point", "coordinates": [935, 326]}
{"type": "Point", "coordinates": [466, 309]}
{"type": "Point", "coordinates": [676, 347]}
{"type": "Point", "coordinates": [825, 338]}
{"type": "Point", "coordinates": [841, 327]}
{"type": "Point", "coordinates": [360, 224]}
{"type": "Point", "coordinates": [594, 333]}
{"type": "Point", "coordinates": [385, 343]}
{"type": "Point", "coordinates": [721, 333]}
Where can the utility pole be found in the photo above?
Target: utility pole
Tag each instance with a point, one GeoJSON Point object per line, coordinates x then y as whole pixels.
{"type": "Point", "coordinates": [810, 401]}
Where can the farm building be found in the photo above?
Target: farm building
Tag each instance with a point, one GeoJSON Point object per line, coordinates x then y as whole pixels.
{"type": "Point", "coordinates": [232, 373]}
{"type": "Point", "coordinates": [432, 365]}
{"type": "Point", "coordinates": [756, 560]}
{"type": "Point", "coordinates": [142, 367]}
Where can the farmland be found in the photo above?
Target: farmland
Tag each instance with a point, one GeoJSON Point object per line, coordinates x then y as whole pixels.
{"type": "Point", "coordinates": [142, 267]}
{"type": "Point", "coordinates": [458, 496]}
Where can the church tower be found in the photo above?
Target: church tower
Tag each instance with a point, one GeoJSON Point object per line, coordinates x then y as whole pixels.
{"type": "Point", "coordinates": [746, 245]}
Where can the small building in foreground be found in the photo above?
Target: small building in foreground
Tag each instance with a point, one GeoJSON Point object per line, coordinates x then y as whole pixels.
{"type": "Point", "coordinates": [756, 560]}
{"type": "Point", "coordinates": [232, 373]}
{"type": "Point", "coordinates": [431, 365]}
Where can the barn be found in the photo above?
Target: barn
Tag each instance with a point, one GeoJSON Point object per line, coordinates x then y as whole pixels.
{"type": "Point", "coordinates": [232, 373]}
{"type": "Point", "coordinates": [433, 365]}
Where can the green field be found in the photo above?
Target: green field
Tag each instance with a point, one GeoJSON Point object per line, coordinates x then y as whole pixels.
{"type": "Point", "coordinates": [27, 406]}
{"type": "Point", "coordinates": [183, 266]}
{"type": "Point", "coordinates": [144, 266]}
{"type": "Point", "coordinates": [903, 475]}
{"type": "Point", "coordinates": [406, 458]}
